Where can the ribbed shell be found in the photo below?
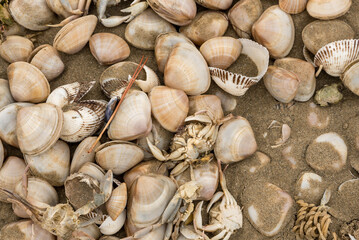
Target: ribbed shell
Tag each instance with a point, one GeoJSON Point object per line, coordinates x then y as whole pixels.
{"type": "Point", "coordinates": [329, 9]}
{"type": "Point", "coordinates": [119, 156]}
{"type": "Point", "coordinates": [350, 76]}
{"type": "Point", "coordinates": [237, 84]}
{"type": "Point", "coordinates": [293, 6]}
{"type": "Point", "coordinates": [215, 4]}
{"type": "Point", "coordinates": [81, 155]}
{"type": "Point", "coordinates": [27, 83]}
{"type": "Point", "coordinates": [117, 202]}
{"type": "Point", "coordinates": [335, 56]}
{"type": "Point", "coordinates": [27, 230]}
{"type": "Point", "coordinates": [38, 127]}
{"type": "Point", "coordinates": [16, 49]}
{"type": "Point", "coordinates": [221, 52]}
{"type": "Point", "coordinates": [75, 35]}
{"type": "Point", "coordinates": [108, 48]}
{"type": "Point", "coordinates": [5, 94]}
{"type": "Point", "coordinates": [93, 170]}
{"type": "Point", "coordinates": [164, 101]}
{"type": "Point", "coordinates": [211, 103]}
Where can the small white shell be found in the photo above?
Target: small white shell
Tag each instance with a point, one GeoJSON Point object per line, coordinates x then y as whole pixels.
{"type": "Point", "coordinates": [110, 227]}
{"type": "Point", "coordinates": [5, 94]}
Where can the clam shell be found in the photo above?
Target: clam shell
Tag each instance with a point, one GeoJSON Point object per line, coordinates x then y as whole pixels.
{"type": "Point", "coordinates": [165, 100]}
{"type": "Point", "coordinates": [210, 103]}
{"type": "Point", "coordinates": [228, 101]}
{"type": "Point", "coordinates": [144, 29]}
{"type": "Point", "coordinates": [110, 227]}
{"type": "Point", "coordinates": [329, 9]}
{"type": "Point", "coordinates": [350, 76]}
{"type": "Point", "coordinates": [215, 4]}
{"type": "Point", "coordinates": [38, 127]}
{"type": "Point", "coordinates": [16, 48]}
{"type": "Point", "coordinates": [117, 202]}
{"type": "Point", "coordinates": [93, 170]}
{"type": "Point", "coordinates": [108, 48]}
{"type": "Point", "coordinates": [75, 35]}
{"type": "Point", "coordinates": [293, 6]}
{"type": "Point", "coordinates": [187, 70]}
{"type": "Point", "coordinates": [27, 83]}
{"type": "Point", "coordinates": [237, 84]}
{"type": "Point", "coordinates": [206, 25]}
{"type": "Point", "coordinates": [47, 60]}
{"type": "Point", "coordinates": [5, 94]}
{"type": "Point", "coordinates": [275, 30]}
{"type": "Point", "coordinates": [81, 155]}
{"type": "Point", "coordinates": [221, 52]}
{"type": "Point", "coordinates": [26, 229]}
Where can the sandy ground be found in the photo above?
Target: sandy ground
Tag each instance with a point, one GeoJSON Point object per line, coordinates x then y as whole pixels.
{"type": "Point", "coordinates": [257, 105]}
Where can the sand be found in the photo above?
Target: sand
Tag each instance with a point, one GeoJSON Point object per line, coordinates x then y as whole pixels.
{"type": "Point", "coordinates": [257, 105]}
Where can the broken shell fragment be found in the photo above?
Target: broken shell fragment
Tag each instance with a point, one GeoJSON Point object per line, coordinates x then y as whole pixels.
{"type": "Point", "coordinates": [329, 9]}
{"type": "Point", "coordinates": [82, 155]}
{"type": "Point", "coordinates": [5, 94]}
{"type": "Point", "coordinates": [350, 76]}
{"type": "Point", "coordinates": [293, 6]}
{"type": "Point", "coordinates": [15, 49]}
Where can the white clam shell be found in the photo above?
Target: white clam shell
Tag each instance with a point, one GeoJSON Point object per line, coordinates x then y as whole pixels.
{"type": "Point", "coordinates": [110, 227]}
{"type": "Point", "coordinates": [5, 94]}
{"type": "Point", "coordinates": [329, 9]}
{"type": "Point", "coordinates": [81, 155]}
{"type": "Point", "coordinates": [350, 76]}
{"type": "Point", "coordinates": [15, 49]}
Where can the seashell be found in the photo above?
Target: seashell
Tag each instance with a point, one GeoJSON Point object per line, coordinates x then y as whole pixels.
{"type": "Point", "coordinates": [237, 84]}
{"type": "Point", "coordinates": [25, 230]}
{"type": "Point", "coordinates": [34, 15]}
{"type": "Point", "coordinates": [110, 227]}
{"type": "Point", "coordinates": [310, 187]}
{"type": "Point", "coordinates": [144, 29]}
{"type": "Point", "coordinates": [108, 48]}
{"type": "Point", "coordinates": [158, 233]}
{"type": "Point", "coordinates": [281, 84]}
{"type": "Point", "coordinates": [319, 33]}
{"type": "Point", "coordinates": [206, 25]}
{"type": "Point", "coordinates": [221, 52]}
{"type": "Point", "coordinates": [75, 35]}
{"type": "Point", "coordinates": [228, 102]}
{"type": "Point", "coordinates": [82, 155]}
{"type": "Point", "coordinates": [350, 76]}
{"type": "Point", "coordinates": [326, 10]}
{"type": "Point", "coordinates": [215, 4]}
{"type": "Point", "coordinates": [114, 79]}
{"type": "Point", "coordinates": [38, 127]}
{"type": "Point", "coordinates": [47, 60]}
{"type": "Point", "coordinates": [89, 232]}
{"type": "Point", "coordinates": [133, 119]}
{"type": "Point", "coordinates": [10, 174]}
{"type": "Point", "coordinates": [5, 94]}
{"type": "Point", "coordinates": [275, 30]}
{"type": "Point", "coordinates": [235, 141]}
{"type": "Point", "coordinates": [210, 103]}
{"type": "Point", "coordinates": [15, 49]}
{"type": "Point", "coordinates": [52, 165]}
{"type": "Point", "coordinates": [117, 202]}
{"type": "Point", "coordinates": [82, 119]}
{"type": "Point", "coordinates": [178, 12]}
{"type": "Point", "coordinates": [335, 56]}
{"type": "Point", "coordinates": [243, 15]}
{"type": "Point", "coordinates": [293, 6]}
{"type": "Point", "coordinates": [119, 156]}
{"type": "Point", "coordinates": [164, 45]}
{"type": "Point", "coordinates": [27, 83]}
{"type": "Point", "coordinates": [255, 163]}
{"type": "Point", "coordinates": [165, 100]}
{"type": "Point", "coordinates": [305, 73]}
{"type": "Point", "coordinates": [2, 153]}
{"type": "Point", "coordinates": [93, 170]}
{"type": "Point", "coordinates": [187, 70]}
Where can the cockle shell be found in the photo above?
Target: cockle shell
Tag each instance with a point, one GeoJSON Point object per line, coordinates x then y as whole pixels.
{"type": "Point", "coordinates": [235, 141]}
{"type": "Point", "coordinates": [81, 155]}
{"type": "Point", "coordinates": [27, 83]}
{"type": "Point", "coordinates": [5, 94]}
{"type": "Point", "coordinates": [108, 48]}
{"type": "Point", "coordinates": [75, 35]}
{"type": "Point", "coordinates": [293, 6]}
{"type": "Point", "coordinates": [206, 25]}
{"type": "Point", "coordinates": [165, 100]}
{"type": "Point", "coordinates": [93, 170]}
{"type": "Point", "coordinates": [243, 15]}
{"type": "Point", "coordinates": [275, 30]}
{"type": "Point", "coordinates": [350, 76]}
{"type": "Point", "coordinates": [237, 84]}
{"type": "Point", "coordinates": [16, 48]}
{"type": "Point", "coordinates": [117, 202]}
{"type": "Point", "coordinates": [215, 4]}
{"type": "Point", "coordinates": [210, 103]}
{"type": "Point", "coordinates": [329, 9]}
{"type": "Point", "coordinates": [25, 230]}
{"type": "Point", "coordinates": [187, 70]}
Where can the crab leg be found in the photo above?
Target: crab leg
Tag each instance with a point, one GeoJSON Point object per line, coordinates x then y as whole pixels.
{"type": "Point", "coordinates": [87, 7]}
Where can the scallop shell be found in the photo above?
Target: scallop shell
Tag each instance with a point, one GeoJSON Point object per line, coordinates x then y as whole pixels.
{"type": "Point", "coordinates": [81, 155]}
{"type": "Point", "coordinates": [117, 202]}
{"type": "Point", "coordinates": [75, 35]}
{"type": "Point", "coordinates": [5, 94]}
{"type": "Point", "coordinates": [93, 170]}
{"type": "Point", "coordinates": [26, 229]}
{"type": "Point", "coordinates": [215, 4]}
{"type": "Point", "coordinates": [237, 84]}
{"type": "Point", "coordinates": [27, 83]}
{"type": "Point", "coordinates": [210, 103]}
{"type": "Point", "coordinates": [221, 52]}
{"type": "Point", "coordinates": [108, 48]}
{"type": "Point", "coordinates": [350, 76]}
{"type": "Point", "coordinates": [16, 48]}
{"type": "Point", "coordinates": [293, 6]}
{"type": "Point", "coordinates": [164, 101]}
{"type": "Point", "coordinates": [329, 9]}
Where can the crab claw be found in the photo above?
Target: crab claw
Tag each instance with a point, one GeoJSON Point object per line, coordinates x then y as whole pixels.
{"type": "Point", "coordinates": [135, 10]}
{"type": "Point", "coordinates": [68, 8]}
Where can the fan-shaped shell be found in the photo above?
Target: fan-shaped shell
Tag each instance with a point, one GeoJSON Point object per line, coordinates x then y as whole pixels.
{"type": "Point", "coordinates": [27, 83]}
{"type": "Point", "coordinates": [75, 35]}
{"type": "Point", "coordinates": [26, 229]}
{"type": "Point", "coordinates": [81, 155]}
{"type": "Point", "coordinates": [215, 4]}
{"type": "Point", "coordinates": [164, 101]}
{"type": "Point", "coordinates": [210, 103]}
{"type": "Point", "coordinates": [108, 48]}
{"type": "Point", "coordinates": [15, 49]}
{"type": "Point", "coordinates": [329, 9]}
{"type": "Point", "coordinates": [237, 84]}
{"type": "Point", "coordinates": [5, 94]}
{"type": "Point", "coordinates": [350, 76]}
{"type": "Point", "coordinates": [275, 30]}
{"type": "Point", "coordinates": [293, 6]}
{"type": "Point", "coordinates": [117, 202]}
{"type": "Point", "coordinates": [38, 127]}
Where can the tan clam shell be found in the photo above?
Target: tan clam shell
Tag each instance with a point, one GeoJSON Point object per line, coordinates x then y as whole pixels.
{"type": "Point", "coordinates": [108, 48]}
{"type": "Point", "coordinates": [350, 76]}
{"type": "Point", "coordinates": [27, 83]}
{"type": "Point", "coordinates": [210, 103]}
{"type": "Point", "coordinates": [178, 12]}
{"type": "Point", "coordinates": [215, 4]}
{"type": "Point", "coordinates": [5, 94]}
{"type": "Point", "coordinates": [275, 30]}
{"type": "Point", "coordinates": [16, 48]}
{"type": "Point", "coordinates": [75, 35]}
{"type": "Point", "coordinates": [187, 70]}
{"type": "Point", "coordinates": [93, 170]}
{"type": "Point", "coordinates": [206, 25]}
{"type": "Point", "coordinates": [238, 84]}
{"type": "Point", "coordinates": [38, 127]}
{"type": "Point", "coordinates": [117, 202]}
{"type": "Point", "coordinates": [235, 141]}
{"type": "Point", "coordinates": [47, 60]}
{"type": "Point", "coordinates": [81, 155]}
{"type": "Point", "coordinates": [221, 52]}
{"type": "Point", "coordinates": [329, 9]}
{"type": "Point", "coordinates": [144, 29]}
{"type": "Point", "coordinates": [133, 120]}
{"type": "Point", "coordinates": [27, 230]}
{"type": "Point", "coordinates": [165, 100]}
{"type": "Point", "coordinates": [293, 6]}
{"type": "Point", "coordinates": [119, 156]}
